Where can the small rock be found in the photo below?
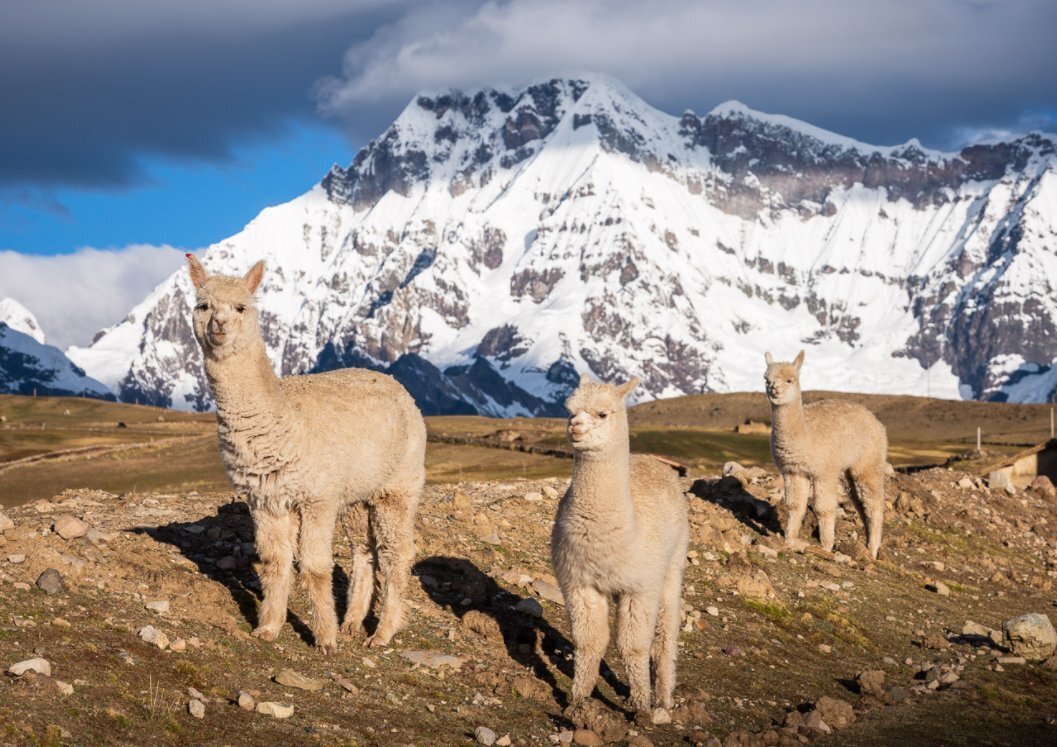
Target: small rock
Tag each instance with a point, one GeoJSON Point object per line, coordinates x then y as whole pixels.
{"type": "Point", "coordinates": [50, 581]}
{"type": "Point", "coordinates": [548, 591]}
{"type": "Point", "coordinates": [1031, 636]}
{"type": "Point", "coordinates": [734, 651]}
{"type": "Point", "coordinates": [550, 492]}
{"type": "Point", "coordinates": [1012, 660]}
{"type": "Point", "coordinates": [179, 645]}
{"type": "Point", "coordinates": [965, 483]}
{"type": "Point", "coordinates": [64, 688]}
{"type": "Point", "coordinates": [835, 712]}
{"type": "Point", "coordinates": [161, 607]}
{"type": "Point", "coordinates": [276, 710]}
{"type": "Point", "coordinates": [503, 741]}
{"type": "Point", "coordinates": [290, 678]}
{"type": "Point", "coordinates": [16, 558]}
{"type": "Point", "coordinates": [530, 607]}
{"type": "Point", "coordinates": [98, 537]}
{"type": "Point", "coordinates": [871, 682]}
{"type": "Point", "coordinates": [246, 701]}
{"type": "Point", "coordinates": [5, 522]}
{"type": "Point", "coordinates": [196, 708]}
{"type": "Point", "coordinates": [533, 497]}
{"type": "Point", "coordinates": [940, 588]}
{"type": "Point", "coordinates": [227, 563]}
{"type": "Point", "coordinates": [1041, 484]}
{"type": "Point", "coordinates": [155, 637]}
{"type": "Point", "coordinates": [661, 716]}
{"type": "Point", "coordinates": [712, 610]}
{"type": "Point", "coordinates": [1001, 480]}
{"type": "Point", "coordinates": [975, 629]}
{"type": "Point", "coordinates": [70, 527]}
{"type": "Point", "coordinates": [484, 736]}
{"type": "Point", "coordinates": [586, 737]}
{"type": "Point", "coordinates": [433, 659]}
{"type": "Point", "coordinates": [345, 684]}
{"type": "Point", "coordinates": [40, 666]}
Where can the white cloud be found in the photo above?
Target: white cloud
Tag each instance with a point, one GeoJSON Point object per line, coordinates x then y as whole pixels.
{"type": "Point", "coordinates": [810, 59]}
{"type": "Point", "coordinates": [75, 295]}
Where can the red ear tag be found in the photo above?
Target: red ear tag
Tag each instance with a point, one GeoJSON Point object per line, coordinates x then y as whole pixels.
{"type": "Point", "coordinates": [188, 255]}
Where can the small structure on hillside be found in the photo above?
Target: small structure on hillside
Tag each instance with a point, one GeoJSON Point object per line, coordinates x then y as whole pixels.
{"type": "Point", "coordinates": [1024, 467]}
{"type": "Point", "coordinates": [753, 426]}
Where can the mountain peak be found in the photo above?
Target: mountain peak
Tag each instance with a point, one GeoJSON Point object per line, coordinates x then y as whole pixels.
{"type": "Point", "coordinates": [19, 318]}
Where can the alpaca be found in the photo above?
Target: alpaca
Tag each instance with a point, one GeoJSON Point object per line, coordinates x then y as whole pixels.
{"type": "Point", "coordinates": [621, 531]}
{"type": "Point", "coordinates": [814, 445]}
{"type": "Point", "coordinates": [302, 449]}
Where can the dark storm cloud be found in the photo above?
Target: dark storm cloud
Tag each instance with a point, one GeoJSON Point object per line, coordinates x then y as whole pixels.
{"type": "Point", "coordinates": [88, 89]}
{"type": "Point", "coordinates": [91, 88]}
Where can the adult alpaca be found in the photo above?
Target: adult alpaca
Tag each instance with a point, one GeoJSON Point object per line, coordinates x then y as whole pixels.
{"type": "Point", "coordinates": [815, 445]}
{"type": "Point", "coordinates": [621, 531]}
{"type": "Point", "coordinates": [303, 449]}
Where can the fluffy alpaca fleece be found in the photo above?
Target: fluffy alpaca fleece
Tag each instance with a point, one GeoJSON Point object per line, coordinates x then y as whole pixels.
{"type": "Point", "coordinates": [621, 531]}
{"type": "Point", "coordinates": [815, 445]}
{"type": "Point", "coordinates": [303, 450]}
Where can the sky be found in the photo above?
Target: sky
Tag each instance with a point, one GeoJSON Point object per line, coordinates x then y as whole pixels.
{"type": "Point", "coordinates": [134, 130]}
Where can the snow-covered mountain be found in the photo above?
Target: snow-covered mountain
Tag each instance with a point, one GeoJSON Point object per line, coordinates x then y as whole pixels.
{"type": "Point", "coordinates": [27, 366]}
{"type": "Point", "coordinates": [491, 244]}
{"type": "Point", "coordinates": [19, 318]}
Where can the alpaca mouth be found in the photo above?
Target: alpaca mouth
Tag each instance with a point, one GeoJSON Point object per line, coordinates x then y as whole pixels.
{"type": "Point", "coordinates": [217, 337]}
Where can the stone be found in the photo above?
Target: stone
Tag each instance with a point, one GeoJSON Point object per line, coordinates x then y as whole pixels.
{"type": "Point", "coordinates": [548, 591]}
{"type": "Point", "coordinates": [5, 522]}
{"type": "Point", "coordinates": [533, 497]}
{"type": "Point", "coordinates": [550, 492]}
{"type": "Point", "coordinates": [70, 527]}
{"type": "Point", "coordinates": [153, 636]}
{"type": "Point", "coordinates": [1041, 484]}
{"type": "Point", "coordinates": [179, 645]}
{"type": "Point", "coordinates": [50, 581]}
{"type": "Point", "coordinates": [246, 701]}
{"type": "Point", "coordinates": [586, 737]}
{"type": "Point", "coordinates": [871, 682]}
{"type": "Point", "coordinates": [530, 607]}
{"type": "Point", "coordinates": [433, 659]}
{"type": "Point", "coordinates": [1001, 480]}
{"type": "Point", "coordinates": [661, 716]}
{"type": "Point", "coordinates": [227, 563]}
{"type": "Point", "coordinates": [835, 712]}
{"type": "Point", "coordinates": [161, 607]}
{"type": "Point", "coordinates": [484, 735]}
{"type": "Point", "coordinates": [290, 678]}
{"type": "Point", "coordinates": [965, 483]}
{"type": "Point", "coordinates": [504, 741]}
{"type": "Point", "coordinates": [1031, 636]}
{"type": "Point", "coordinates": [712, 611]}
{"type": "Point", "coordinates": [975, 630]}
{"type": "Point", "coordinates": [275, 710]}
{"type": "Point", "coordinates": [196, 708]}
{"type": "Point", "coordinates": [64, 688]}
{"type": "Point", "coordinates": [938, 587]}
{"type": "Point", "coordinates": [16, 558]}
{"type": "Point", "coordinates": [478, 623]}
{"type": "Point", "coordinates": [38, 665]}
{"type": "Point", "coordinates": [461, 503]}
{"type": "Point", "coordinates": [345, 684]}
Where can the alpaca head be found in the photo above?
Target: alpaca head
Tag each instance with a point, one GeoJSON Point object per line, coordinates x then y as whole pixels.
{"type": "Point", "coordinates": [783, 379]}
{"type": "Point", "coordinates": [225, 317]}
{"type": "Point", "coordinates": [598, 419]}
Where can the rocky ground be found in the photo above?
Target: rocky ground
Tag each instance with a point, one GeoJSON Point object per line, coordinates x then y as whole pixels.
{"type": "Point", "coordinates": [126, 618]}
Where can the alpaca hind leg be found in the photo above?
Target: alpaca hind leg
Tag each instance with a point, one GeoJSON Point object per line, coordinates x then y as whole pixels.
{"type": "Point", "coordinates": [317, 570]}
{"type": "Point", "coordinates": [589, 622]}
{"type": "Point", "coordinates": [636, 625]}
{"type": "Point", "coordinates": [393, 528]}
{"type": "Point", "coordinates": [826, 492]}
{"type": "Point", "coordinates": [797, 489]}
{"type": "Point", "coordinates": [871, 487]}
{"type": "Point", "coordinates": [361, 579]}
{"type": "Point", "coordinates": [666, 643]}
{"type": "Point", "coordinates": [274, 537]}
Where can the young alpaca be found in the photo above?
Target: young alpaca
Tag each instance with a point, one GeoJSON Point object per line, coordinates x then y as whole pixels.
{"type": "Point", "coordinates": [621, 530]}
{"type": "Point", "coordinates": [814, 445]}
{"type": "Point", "coordinates": [302, 449]}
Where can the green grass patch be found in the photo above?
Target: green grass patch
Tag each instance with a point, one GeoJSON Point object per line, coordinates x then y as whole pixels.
{"type": "Point", "coordinates": [776, 612]}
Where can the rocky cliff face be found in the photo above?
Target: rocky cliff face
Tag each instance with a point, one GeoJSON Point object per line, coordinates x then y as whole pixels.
{"type": "Point", "coordinates": [28, 366]}
{"type": "Point", "coordinates": [491, 244]}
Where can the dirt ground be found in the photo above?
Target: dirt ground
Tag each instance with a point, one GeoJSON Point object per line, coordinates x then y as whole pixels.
{"type": "Point", "coordinates": [767, 633]}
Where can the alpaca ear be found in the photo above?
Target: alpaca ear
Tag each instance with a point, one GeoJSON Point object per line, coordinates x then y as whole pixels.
{"type": "Point", "coordinates": [628, 388]}
{"type": "Point", "coordinates": [253, 278]}
{"type": "Point", "coordinates": [198, 272]}
{"type": "Point", "coordinates": [585, 378]}
{"type": "Point", "coordinates": [799, 360]}
{"type": "Point", "coordinates": [769, 358]}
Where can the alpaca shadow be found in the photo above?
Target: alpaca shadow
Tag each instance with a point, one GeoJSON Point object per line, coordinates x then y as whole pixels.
{"type": "Point", "coordinates": [209, 539]}
{"type": "Point", "coordinates": [729, 494]}
{"type": "Point", "coordinates": [458, 584]}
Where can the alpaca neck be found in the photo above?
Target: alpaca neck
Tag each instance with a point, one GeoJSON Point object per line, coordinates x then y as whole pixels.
{"type": "Point", "coordinates": [790, 438]}
{"type": "Point", "coordinates": [789, 419]}
{"type": "Point", "coordinates": [601, 490]}
{"type": "Point", "coordinates": [243, 383]}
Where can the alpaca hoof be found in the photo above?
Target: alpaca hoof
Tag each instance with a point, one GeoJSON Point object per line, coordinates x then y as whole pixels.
{"type": "Point", "coordinates": [327, 648]}
{"type": "Point", "coordinates": [377, 640]}
{"type": "Point", "coordinates": [574, 713]}
{"type": "Point", "coordinates": [266, 634]}
{"type": "Point", "coordinates": [351, 630]}
{"type": "Point", "coordinates": [795, 545]}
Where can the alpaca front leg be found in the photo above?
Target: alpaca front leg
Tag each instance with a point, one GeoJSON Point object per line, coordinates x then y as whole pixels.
{"type": "Point", "coordinates": [636, 626]}
{"type": "Point", "coordinates": [393, 528]}
{"type": "Point", "coordinates": [872, 493]}
{"type": "Point", "coordinates": [797, 489]}
{"type": "Point", "coordinates": [317, 570]}
{"type": "Point", "coordinates": [274, 539]}
{"type": "Point", "coordinates": [826, 492]}
{"type": "Point", "coordinates": [361, 577]}
{"type": "Point", "coordinates": [589, 622]}
{"type": "Point", "coordinates": [666, 644]}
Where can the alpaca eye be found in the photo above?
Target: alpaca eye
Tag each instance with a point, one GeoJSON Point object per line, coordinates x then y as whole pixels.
{"type": "Point", "coordinates": [239, 308]}
{"type": "Point", "coordinates": [603, 415]}
{"type": "Point", "coordinates": [788, 381]}
{"type": "Point", "coordinates": [202, 307]}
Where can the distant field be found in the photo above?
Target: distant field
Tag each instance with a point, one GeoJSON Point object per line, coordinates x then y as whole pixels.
{"type": "Point", "coordinates": [168, 451]}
